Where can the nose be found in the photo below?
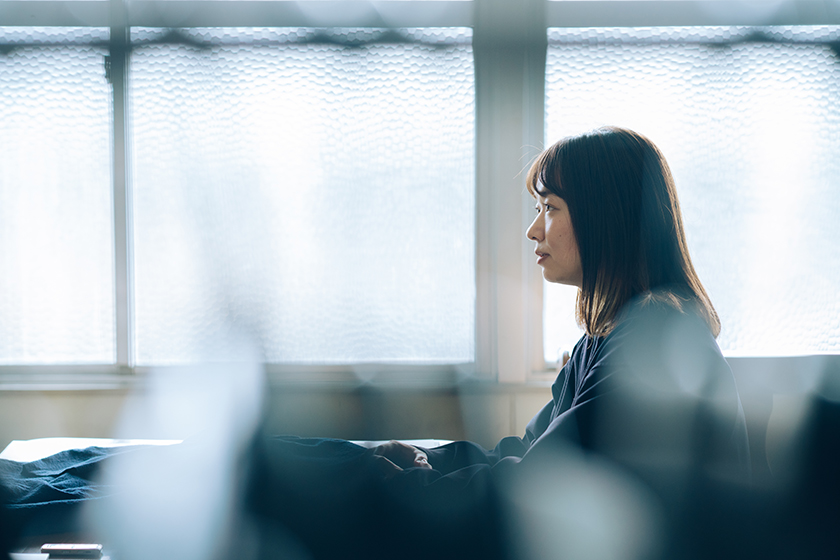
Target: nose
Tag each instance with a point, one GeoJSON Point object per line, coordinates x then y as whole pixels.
{"type": "Point", "coordinates": [535, 231]}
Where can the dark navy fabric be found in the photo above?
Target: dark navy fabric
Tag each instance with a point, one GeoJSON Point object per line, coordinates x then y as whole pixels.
{"type": "Point", "coordinates": [331, 497]}
{"type": "Point", "coordinates": [43, 497]}
{"type": "Point", "coordinates": [66, 477]}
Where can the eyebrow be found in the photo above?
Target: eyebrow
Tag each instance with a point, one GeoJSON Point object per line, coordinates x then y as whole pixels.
{"type": "Point", "coordinates": [545, 193]}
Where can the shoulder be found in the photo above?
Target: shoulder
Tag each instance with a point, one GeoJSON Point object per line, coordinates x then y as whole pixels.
{"type": "Point", "coordinates": [667, 370]}
{"type": "Point", "coordinates": [659, 306]}
{"type": "Point", "coordinates": [660, 338]}
{"type": "Point", "coordinates": [659, 347]}
{"type": "Point", "coordinates": [664, 316]}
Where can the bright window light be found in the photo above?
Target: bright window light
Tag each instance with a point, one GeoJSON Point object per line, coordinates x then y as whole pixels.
{"type": "Point", "coordinates": [56, 233]}
{"type": "Point", "coordinates": [749, 123]}
{"type": "Point", "coordinates": [314, 189]}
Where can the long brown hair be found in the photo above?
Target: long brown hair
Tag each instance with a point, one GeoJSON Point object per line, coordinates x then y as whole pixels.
{"type": "Point", "coordinates": [626, 217]}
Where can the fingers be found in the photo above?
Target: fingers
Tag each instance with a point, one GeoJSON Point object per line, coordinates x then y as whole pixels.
{"type": "Point", "coordinates": [408, 455]}
{"type": "Point", "coordinates": [421, 460]}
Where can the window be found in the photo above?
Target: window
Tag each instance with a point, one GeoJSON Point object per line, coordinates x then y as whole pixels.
{"type": "Point", "coordinates": [140, 203]}
{"type": "Point", "coordinates": [747, 119]}
{"type": "Point", "coordinates": [313, 186]}
{"type": "Point", "coordinates": [56, 236]}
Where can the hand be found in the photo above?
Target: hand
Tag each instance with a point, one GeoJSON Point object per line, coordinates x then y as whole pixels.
{"type": "Point", "coordinates": [394, 456]}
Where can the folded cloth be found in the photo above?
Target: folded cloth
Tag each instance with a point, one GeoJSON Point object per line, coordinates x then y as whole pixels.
{"type": "Point", "coordinates": [43, 497]}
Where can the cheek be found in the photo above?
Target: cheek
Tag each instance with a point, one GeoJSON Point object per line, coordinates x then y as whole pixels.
{"type": "Point", "coordinates": [567, 247]}
{"type": "Point", "coordinates": [573, 247]}
{"type": "Point", "coordinates": [560, 235]}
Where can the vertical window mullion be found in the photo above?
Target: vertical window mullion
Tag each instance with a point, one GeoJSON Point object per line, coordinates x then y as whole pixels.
{"type": "Point", "coordinates": [118, 76]}
{"type": "Point", "coordinates": [509, 47]}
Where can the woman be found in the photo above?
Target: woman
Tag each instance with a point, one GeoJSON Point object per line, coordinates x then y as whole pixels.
{"type": "Point", "coordinates": [646, 388]}
{"type": "Point", "coordinates": [608, 221]}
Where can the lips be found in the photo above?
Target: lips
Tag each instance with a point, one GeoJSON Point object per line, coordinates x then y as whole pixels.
{"type": "Point", "coordinates": [540, 256]}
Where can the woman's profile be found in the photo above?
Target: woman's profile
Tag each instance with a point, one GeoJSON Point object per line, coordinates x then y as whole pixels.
{"type": "Point", "coordinates": [609, 202]}
{"type": "Point", "coordinates": [609, 222]}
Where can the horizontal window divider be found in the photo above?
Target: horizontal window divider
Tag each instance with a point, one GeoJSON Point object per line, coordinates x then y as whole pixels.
{"type": "Point", "coordinates": [465, 387]}
{"type": "Point", "coordinates": [754, 34]}
{"type": "Point", "coordinates": [401, 375]}
{"type": "Point", "coordinates": [817, 373]}
{"type": "Point", "coordinates": [688, 13]}
{"type": "Point", "coordinates": [385, 14]}
{"type": "Point", "coordinates": [78, 377]}
{"type": "Point", "coordinates": [814, 373]}
{"type": "Point", "coordinates": [547, 375]}
{"type": "Point", "coordinates": [299, 14]}
{"type": "Point", "coordinates": [48, 13]}
{"type": "Point", "coordinates": [185, 13]}
{"type": "Point", "coordinates": [110, 376]}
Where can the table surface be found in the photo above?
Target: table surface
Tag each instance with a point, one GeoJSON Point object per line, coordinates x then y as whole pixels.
{"type": "Point", "coordinates": [24, 451]}
{"type": "Point", "coordinates": [37, 556]}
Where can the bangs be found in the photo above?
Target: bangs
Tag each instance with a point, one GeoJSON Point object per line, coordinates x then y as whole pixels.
{"type": "Point", "coordinates": [539, 174]}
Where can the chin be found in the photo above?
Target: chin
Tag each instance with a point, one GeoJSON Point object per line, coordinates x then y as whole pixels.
{"type": "Point", "coordinates": [549, 277]}
{"type": "Point", "coordinates": [554, 279]}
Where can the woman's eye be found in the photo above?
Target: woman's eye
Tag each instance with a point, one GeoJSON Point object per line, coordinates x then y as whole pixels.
{"type": "Point", "coordinates": [548, 207]}
{"type": "Point", "coordinates": [537, 208]}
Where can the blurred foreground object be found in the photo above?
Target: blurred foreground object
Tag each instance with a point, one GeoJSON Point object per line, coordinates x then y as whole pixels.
{"type": "Point", "coordinates": [183, 502]}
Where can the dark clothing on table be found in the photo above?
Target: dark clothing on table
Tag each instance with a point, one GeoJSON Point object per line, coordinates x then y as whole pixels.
{"type": "Point", "coordinates": [44, 495]}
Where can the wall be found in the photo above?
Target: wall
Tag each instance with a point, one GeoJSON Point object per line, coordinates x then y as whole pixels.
{"type": "Point", "coordinates": [482, 413]}
{"type": "Point", "coordinates": [776, 394]}
{"type": "Point", "coordinates": [35, 414]}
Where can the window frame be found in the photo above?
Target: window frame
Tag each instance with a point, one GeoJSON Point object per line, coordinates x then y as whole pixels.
{"type": "Point", "coordinates": [509, 48]}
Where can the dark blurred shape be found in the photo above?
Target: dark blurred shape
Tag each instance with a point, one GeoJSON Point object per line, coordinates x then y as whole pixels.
{"type": "Point", "coordinates": [788, 517]}
{"type": "Point", "coordinates": [332, 500]}
{"type": "Point", "coordinates": [647, 443]}
{"type": "Point", "coordinates": [670, 407]}
{"type": "Point", "coordinates": [808, 523]}
{"type": "Point", "coordinates": [8, 531]}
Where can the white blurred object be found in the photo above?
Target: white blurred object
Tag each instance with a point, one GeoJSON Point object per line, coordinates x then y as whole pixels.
{"type": "Point", "coordinates": [24, 451]}
{"type": "Point", "coordinates": [581, 507]}
{"type": "Point", "coordinates": [38, 556]}
{"type": "Point", "coordinates": [424, 443]}
{"type": "Point", "coordinates": [184, 503]}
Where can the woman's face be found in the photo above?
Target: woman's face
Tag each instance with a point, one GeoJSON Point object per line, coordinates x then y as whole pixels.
{"type": "Point", "coordinates": [556, 246]}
